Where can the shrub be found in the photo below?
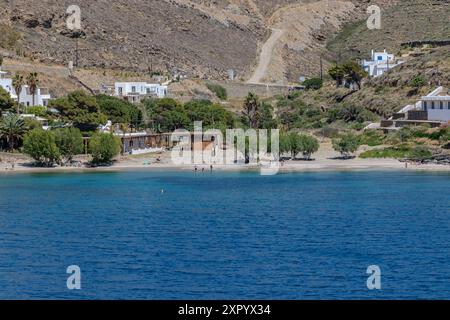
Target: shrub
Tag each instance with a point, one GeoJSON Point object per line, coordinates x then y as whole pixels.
{"type": "Point", "coordinates": [372, 138]}
{"type": "Point", "coordinates": [69, 142]}
{"type": "Point", "coordinates": [104, 147]}
{"type": "Point", "coordinates": [41, 146]}
{"type": "Point", "coordinates": [419, 153]}
{"type": "Point", "coordinates": [391, 152]}
{"type": "Point", "coordinates": [37, 111]}
{"type": "Point", "coordinates": [313, 83]}
{"type": "Point", "coordinates": [418, 81]}
{"type": "Point", "coordinates": [218, 90]}
{"type": "Point", "coordinates": [346, 145]}
{"type": "Point", "coordinates": [308, 146]}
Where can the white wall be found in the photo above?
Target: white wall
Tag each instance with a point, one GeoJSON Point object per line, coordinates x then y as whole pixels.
{"type": "Point", "coordinates": [141, 88]}
{"type": "Point", "coordinates": [25, 99]}
{"type": "Point", "coordinates": [6, 84]}
{"type": "Point", "coordinates": [39, 99]}
{"type": "Point", "coordinates": [437, 114]}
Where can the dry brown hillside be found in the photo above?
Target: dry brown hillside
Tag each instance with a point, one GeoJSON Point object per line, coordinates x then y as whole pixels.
{"type": "Point", "coordinates": [198, 37]}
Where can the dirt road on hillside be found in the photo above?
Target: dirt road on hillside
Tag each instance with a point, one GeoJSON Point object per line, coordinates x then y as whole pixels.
{"type": "Point", "coordinates": [265, 57]}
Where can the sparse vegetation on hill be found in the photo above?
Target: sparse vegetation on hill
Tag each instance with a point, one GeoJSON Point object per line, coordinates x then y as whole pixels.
{"type": "Point", "coordinates": [409, 20]}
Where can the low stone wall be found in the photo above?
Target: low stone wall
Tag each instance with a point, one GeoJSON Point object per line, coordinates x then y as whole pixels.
{"type": "Point", "coordinates": [435, 43]}
{"type": "Point", "coordinates": [239, 90]}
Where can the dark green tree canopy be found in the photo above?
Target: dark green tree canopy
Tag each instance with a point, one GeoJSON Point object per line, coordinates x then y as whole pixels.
{"type": "Point", "coordinates": [80, 109]}
{"type": "Point", "coordinates": [41, 146]}
{"type": "Point", "coordinates": [6, 102]}
{"type": "Point", "coordinates": [119, 111]}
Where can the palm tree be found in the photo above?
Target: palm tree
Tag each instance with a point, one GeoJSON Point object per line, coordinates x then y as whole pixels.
{"type": "Point", "coordinates": [33, 83]}
{"type": "Point", "coordinates": [12, 128]}
{"type": "Point", "coordinates": [18, 84]}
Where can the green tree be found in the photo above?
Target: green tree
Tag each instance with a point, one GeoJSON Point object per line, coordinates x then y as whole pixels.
{"type": "Point", "coordinates": [268, 120]}
{"type": "Point", "coordinates": [17, 84]}
{"type": "Point", "coordinates": [166, 115]}
{"type": "Point", "coordinates": [6, 102]}
{"type": "Point", "coordinates": [354, 73]}
{"type": "Point", "coordinates": [337, 73]}
{"type": "Point", "coordinates": [350, 71]}
{"type": "Point", "coordinates": [294, 144]}
{"type": "Point", "coordinates": [285, 145]}
{"type": "Point", "coordinates": [119, 111]}
{"type": "Point", "coordinates": [12, 128]}
{"type": "Point", "coordinates": [212, 115]}
{"type": "Point", "coordinates": [80, 109]}
{"type": "Point", "coordinates": [33, 83]}
{"type": "Point", "coordinates": [41, 146]}
{"type": "Point", "coordinates": [308, 145]}
{"type": "Point", "coordinates": [69, 142]}
{"type": "Point", "coordinates": [346, 144]}
{"type": "Point", "coordinates": [251, 111]}
{"type": "Point", "coordinates": [104, 147]}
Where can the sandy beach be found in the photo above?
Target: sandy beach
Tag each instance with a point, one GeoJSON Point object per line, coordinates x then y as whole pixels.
{"type": "Point", "coordinates": [326, 159]}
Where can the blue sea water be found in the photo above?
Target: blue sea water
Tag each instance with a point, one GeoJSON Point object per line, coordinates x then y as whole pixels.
{"type": "Point", "coordinates": [225, 235]}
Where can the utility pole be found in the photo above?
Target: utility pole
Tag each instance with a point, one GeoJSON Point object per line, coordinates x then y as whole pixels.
{"type": "Point", "coordinates": [76, 53]}
{"type": "Point", "coordinates": [321, 67]}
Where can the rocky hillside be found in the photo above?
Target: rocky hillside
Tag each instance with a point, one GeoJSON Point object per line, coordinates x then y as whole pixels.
{"type": "Point", "coordinates": [409, 20]}
{"type": "Point", "coordinates": [197, 37]}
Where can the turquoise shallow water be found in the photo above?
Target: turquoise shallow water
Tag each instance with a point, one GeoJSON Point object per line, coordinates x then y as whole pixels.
{"type": "Point", "coordinates": [225, 235]}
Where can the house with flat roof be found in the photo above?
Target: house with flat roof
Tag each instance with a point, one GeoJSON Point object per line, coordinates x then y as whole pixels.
{"type": "Point", "coordinates": [135, 91]}
{"type": "Point", "coordinates": [437, 105]}
{"type": "Point", "coordinates": [432, 109]}
{"type": "Point", "coordinates": [380, 63]}
{"type": "Point", "coordinates": [41, 97]}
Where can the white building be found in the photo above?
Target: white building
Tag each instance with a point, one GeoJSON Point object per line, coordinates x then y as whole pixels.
{"type": "Point", "coordinates": [380, 63]}
{"type": "Point", "coordinates": [437, 105]}
{"type": "Point", "coordinates": [41, 97]}
{"type": "Point", "coordinates": [135, 91]}
{"type": "Point", "coordinates": [6, 83]}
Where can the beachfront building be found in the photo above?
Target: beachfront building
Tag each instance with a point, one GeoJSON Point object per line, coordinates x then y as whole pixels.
{"type": "Point", "coordinates": [379, 63]}
{"type": "Point", "coordinates": [437, 105]}
{"type": "Point", "coordinates": [432, 109]}
{"type": "Point", "coordinates": [41, 97]}
{"type": "Point", "coordinates": [135, 91]}
{"type": "Point", "coordinates": [144, 142]}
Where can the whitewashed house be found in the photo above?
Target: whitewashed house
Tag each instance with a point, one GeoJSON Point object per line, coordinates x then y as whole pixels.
{"type": "Point", "coordinates": [6, 84]}
{"type": "Point", "coordinates": [380, 63]}
{"type": "Point", "coordinates": [437, 105]}
{"type": "Point", "coordinates": [41, 97]}
{"type": "Point", "coordinates": [135, 91]}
